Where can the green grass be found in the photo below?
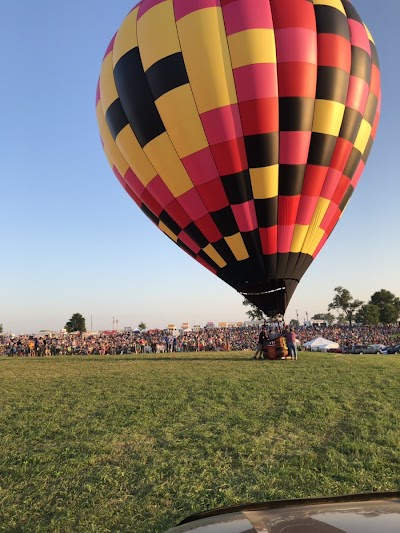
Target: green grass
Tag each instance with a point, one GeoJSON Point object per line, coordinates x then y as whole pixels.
{"type": "Point", "coordinates": [137, 443]}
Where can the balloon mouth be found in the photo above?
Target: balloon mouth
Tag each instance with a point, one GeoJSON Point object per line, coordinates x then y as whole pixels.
{"type": "Point", "coordinates": [243, 293]}
{"type": "Point", "coordinates": [272, 297]}
{"type": "Point", "coordinates": [268, 284]}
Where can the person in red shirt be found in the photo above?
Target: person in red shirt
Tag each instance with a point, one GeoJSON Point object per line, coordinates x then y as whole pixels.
{"type": "Point", "coordinates": [290, 337]}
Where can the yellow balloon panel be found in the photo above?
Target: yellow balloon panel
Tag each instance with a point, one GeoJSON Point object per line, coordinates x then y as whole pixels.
{"type": "Point", "coordinates": [207, 61]}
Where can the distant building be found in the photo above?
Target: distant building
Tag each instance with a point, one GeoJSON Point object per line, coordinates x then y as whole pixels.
{"type": "Point", "coordinates": [173, 330]}
{"type": "Point", "coordinates": [248, 323]}
{"type": "Point", "coordinates": [318, 323]}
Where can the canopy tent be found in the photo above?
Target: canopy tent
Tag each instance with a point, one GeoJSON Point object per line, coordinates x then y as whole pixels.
{"type": "Point", "coordinates": [320, 344]}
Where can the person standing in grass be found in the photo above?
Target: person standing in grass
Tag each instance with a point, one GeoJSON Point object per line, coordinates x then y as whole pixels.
{"type": "Point", "coordinates": [260, 345]}
{"type": "Point", "coordinates": [290, 337]}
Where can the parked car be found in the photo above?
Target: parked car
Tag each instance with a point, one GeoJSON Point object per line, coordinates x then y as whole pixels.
{"type": "Point", "coordinates": [347, 349]}
{"type": "Point", "coordinates": [392, 349]}
{"type": "Point", "coordinates": [363, 348]}
{"type": "Point", "coordinates": [376, 348]}
{"type": "Point", "coordinates": [356, 349]}
{"type": "Point", "coordinates": [360, 349]}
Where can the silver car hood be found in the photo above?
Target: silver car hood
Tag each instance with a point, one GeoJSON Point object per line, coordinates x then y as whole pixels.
{"type": "Point", "coordinates": [361, 513]}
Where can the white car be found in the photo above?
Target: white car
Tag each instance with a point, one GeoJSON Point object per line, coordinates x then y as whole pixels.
{"type": "Point", "coordinates": [376, 348]}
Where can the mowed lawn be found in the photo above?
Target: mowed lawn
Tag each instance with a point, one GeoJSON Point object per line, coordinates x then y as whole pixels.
{"type": "Point", "coordinates": [137, 443]}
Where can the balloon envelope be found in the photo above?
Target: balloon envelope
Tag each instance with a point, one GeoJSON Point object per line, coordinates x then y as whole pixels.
{"type": "Point", "coordinates": [241, 129]}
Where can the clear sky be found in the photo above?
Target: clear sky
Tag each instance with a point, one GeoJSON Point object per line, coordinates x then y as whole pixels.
{"type": "Point", "coordinates": [71, 238]}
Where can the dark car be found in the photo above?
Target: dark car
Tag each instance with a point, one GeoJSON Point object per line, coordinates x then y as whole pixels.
{"type": "Point", "coordinates": [359, 349]}
{"type": "Point", "coordinates": [347, 349]}
{"type": "Point", "coordinates": [393, 349]}
{"type": "Point", "coordinates": [356, 349]}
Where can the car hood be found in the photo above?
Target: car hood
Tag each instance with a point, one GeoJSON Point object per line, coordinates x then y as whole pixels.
{"type": "Point", "coordinates": [361, 513]}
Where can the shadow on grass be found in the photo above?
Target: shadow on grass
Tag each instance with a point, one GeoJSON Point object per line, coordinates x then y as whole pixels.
{"type": "Point", "coordinates": [134, 358]}
{"type": "Point", "coordinates": [160, 357]}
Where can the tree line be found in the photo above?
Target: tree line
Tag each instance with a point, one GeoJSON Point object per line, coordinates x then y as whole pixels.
{"type": "Point", "coordinates": [383, 307]}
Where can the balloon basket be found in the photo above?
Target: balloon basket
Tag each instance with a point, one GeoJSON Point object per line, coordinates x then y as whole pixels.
{"type": "Point", "coordinates": [276, 349]}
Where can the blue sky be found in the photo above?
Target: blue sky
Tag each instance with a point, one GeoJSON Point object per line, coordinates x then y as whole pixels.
{"type": "Point", "coordinates": [71, 238]}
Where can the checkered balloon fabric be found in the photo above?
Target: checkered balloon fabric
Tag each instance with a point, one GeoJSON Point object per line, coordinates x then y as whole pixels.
{"type": "Point", "coordinates": [241, 129]}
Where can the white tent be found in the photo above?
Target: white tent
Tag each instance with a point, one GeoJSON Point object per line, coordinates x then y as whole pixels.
{"type": "Point", "coordinates": [320, 344]}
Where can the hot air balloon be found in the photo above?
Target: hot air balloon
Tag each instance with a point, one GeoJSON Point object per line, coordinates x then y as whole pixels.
{"type": "Point", "coordinates": [241, 129]}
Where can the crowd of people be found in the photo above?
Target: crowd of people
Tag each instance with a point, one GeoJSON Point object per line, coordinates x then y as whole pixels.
{"type": "Point", "coordinates": [346, 336]}
{"type": "Point", "coordinates": [153, 341]}
{"type": "Point", "coordinates": [206, 339]}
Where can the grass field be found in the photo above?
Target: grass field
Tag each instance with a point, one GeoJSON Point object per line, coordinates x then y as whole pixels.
{"type": "Point", "coordinates": [137, 443]}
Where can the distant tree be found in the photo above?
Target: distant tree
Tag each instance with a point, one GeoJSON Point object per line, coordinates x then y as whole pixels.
{"type": "Point", "coordinates": [342, 320]}
{"type": "Point", "coordinates": [344, 301]}
{"type": "Point", "coordinates": [1, 328]}
{"type": "Point", "coordinates": [389, 314]}
{"type": "Point", "coordinates": [328, 317]}
{"type": "Point", "coordinates": [368, 315]}
{"type": "Point", "coordinates": [294, 323]}
{"type": "Point", "coordinates": [142, 326]}
{"type": "Point", "coordinates": [273, 319]}
{"type": "Point", "coordinates": [388, 304]}
{"type": "Point", "coordinates": [254, 313]}
{"type": "Point", "coordinates": [75, 323]}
